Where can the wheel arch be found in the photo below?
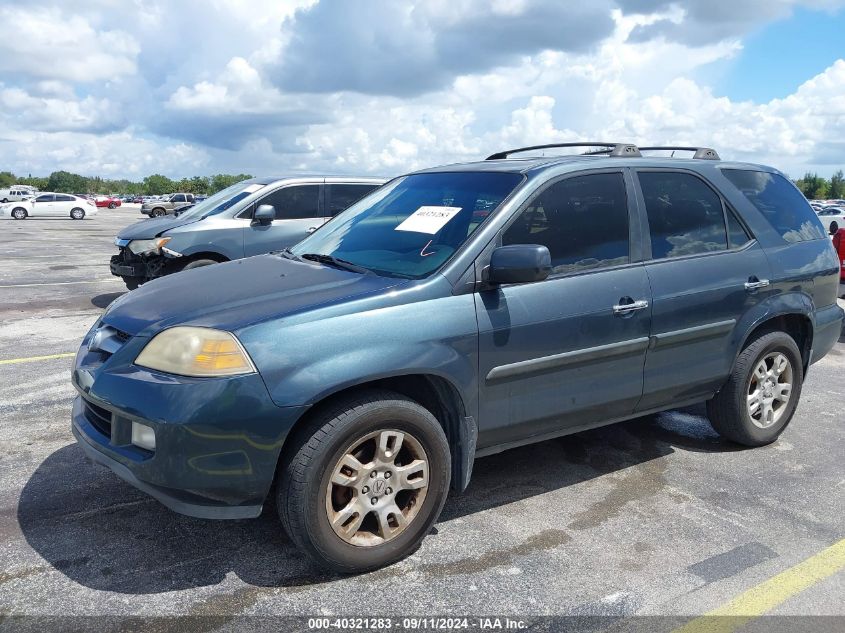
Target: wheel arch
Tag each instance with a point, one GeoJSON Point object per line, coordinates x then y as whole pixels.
{"type": "Point", "coordinates": [792, 320]}
{"type": "Point", "coordinates": [433, 392]}
{"type": "Point", "coordinates": [190, 257]}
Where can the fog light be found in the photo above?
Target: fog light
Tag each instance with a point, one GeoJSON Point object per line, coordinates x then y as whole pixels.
{"type": "Point", "coordinates": [143, 436]}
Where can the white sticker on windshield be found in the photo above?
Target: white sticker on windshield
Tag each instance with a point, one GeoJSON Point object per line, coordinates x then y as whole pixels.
{"type": "Point", "coordinates": [428, 219]}
{"type": "Point", "coordinates": [253, 188]}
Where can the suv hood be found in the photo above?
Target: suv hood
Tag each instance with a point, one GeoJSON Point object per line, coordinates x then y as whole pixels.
{"type": "Point", "coordinates": [235, 294]}
{"type": "Point", "coordinates": [148, 229]}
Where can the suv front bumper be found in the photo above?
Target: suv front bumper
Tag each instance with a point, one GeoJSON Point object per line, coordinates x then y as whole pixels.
{"type": "Point", "coordinates": [217, 440]}
{"type": "Point", "coordinates": [127, 264]}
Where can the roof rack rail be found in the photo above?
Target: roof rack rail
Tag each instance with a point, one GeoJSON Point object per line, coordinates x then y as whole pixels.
{"type": "Point", "coordinates": [612, 149]}
{"type": "Point", "coordinates": [701, 153]}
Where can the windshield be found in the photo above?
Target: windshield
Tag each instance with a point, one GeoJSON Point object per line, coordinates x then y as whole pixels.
{"type": "Point", "coordinates": [411, 226]}
{"type": "Point", "coordinates": [222, 200]}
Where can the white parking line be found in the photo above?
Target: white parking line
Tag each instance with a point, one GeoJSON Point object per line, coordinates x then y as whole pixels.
{"type": "Point", "coordinates": [60, 283]}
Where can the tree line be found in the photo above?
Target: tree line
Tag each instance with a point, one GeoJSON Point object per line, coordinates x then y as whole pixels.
{"type": "Point", "coordinates": [814, 187]}
{"type": "Point", "coordinates": [154, 185]}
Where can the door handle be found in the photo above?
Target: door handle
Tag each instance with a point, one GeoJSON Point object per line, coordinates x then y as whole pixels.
{"type": "Point", "coordinates": [628, 308]}
{"type": "Point", "coordinates": [755, 284]}
{"type": "Point", "coordinates": [311, 229]}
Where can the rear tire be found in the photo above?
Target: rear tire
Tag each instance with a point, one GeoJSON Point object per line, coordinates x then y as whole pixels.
{"type": "Point", "coordinates": [77, 214]}
{"type": "Point", "coordinates": [381, 509]}
{"type": "Point", "coordinates": [19, 213]}
{"type": "Point", "coordinates": [112, 205]}
{"type": "Point", "coordinates": [752, 408]}
{"type": "Point", "coordinates": [834, 227]}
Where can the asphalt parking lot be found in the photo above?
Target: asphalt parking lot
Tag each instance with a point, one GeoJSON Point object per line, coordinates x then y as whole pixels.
{"type": "Point", "coordinates": [656, 516]}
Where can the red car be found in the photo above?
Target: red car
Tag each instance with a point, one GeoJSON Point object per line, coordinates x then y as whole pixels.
{"type": "Point", "coordinates": [839, 245]}
{"type": "Point", "coordinates": [107, 201]}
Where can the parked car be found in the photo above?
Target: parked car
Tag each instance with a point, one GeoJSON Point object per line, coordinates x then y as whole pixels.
{"type": "Point", "coordinates": [833, 218]}
{"type": "Point", "coordinates": [107, 201]}
{"type": "Point", "coordinates": [232, 224]}
{"type": "Point", "coordinates": [839, 245]}
{"type": "Point", "coordinates": [137, 200]}
{"type": "Point", "coordinates": [164, 206]}
{"type": "Point", "coordinates": [49, 205]}
{"type": "Point", "coordinates": [14, 194]}
{"type": "Point", "coordinates": [364, 369]}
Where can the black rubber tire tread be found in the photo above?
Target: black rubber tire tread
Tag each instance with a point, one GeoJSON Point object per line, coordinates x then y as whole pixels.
{"type": "Point", "coordinates": [311, 442]}
{"type": "Point", "coordinates": [131, 282]}
{"type": "Point", "coordinates": [728, 411]}
{"type": "Point", "coordinates": [198, 263]}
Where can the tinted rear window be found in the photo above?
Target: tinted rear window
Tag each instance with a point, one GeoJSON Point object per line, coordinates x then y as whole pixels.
{"type": "Point", "coordinates": [780, 202]}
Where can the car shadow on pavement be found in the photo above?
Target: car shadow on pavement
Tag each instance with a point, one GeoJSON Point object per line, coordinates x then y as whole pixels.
{"type": "Point", "coordinates": [104, 300]}
{"type": "Point", "coordinates": [102, 533]}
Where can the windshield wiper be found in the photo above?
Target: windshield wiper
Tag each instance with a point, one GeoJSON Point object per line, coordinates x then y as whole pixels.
{"type": "Point", "coordinates": [287, 254]}
{"type": "Point", "coordinates": [337, 263]}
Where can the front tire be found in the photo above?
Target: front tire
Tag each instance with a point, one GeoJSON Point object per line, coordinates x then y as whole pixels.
{"type": "Point", "coordinates": [112, 205]}
{"type": "Point", "coordinates": [198, 263]}
{"type": "Point", "coordinates": [157, 213]}
{"type": "Point", "coordinates": [760, 397]}
{"type": "Point", "coordinates": [131, 282]}
{"type": "Point", "coordinates": [77, 214]}
{"type": "Point", "coordinates": [364, 481]}
{"type": "Point", "coordinates": [19, 213]}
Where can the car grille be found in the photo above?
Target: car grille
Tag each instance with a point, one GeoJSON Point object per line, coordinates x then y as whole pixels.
{"type": "Point", "coordinates": [99, 418]}
{"type": "Point", "coordinates": [106, 340]}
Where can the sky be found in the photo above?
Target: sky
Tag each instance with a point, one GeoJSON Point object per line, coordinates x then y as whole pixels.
{"type": "Point", "coordinates": [126, 88]}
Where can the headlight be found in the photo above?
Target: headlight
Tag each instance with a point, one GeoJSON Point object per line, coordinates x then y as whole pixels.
{"type": "Point", "coordinates": [196, 351]}
{"type": "Point", "coordinates": [141, 247]}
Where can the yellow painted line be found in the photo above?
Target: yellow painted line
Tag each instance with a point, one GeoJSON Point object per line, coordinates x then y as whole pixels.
{"type": "Point", "coordinates": [12, 361]}
{"type": "Point", "coordinates": [770, 593]}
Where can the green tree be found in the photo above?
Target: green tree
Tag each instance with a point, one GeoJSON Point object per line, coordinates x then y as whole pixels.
{"type": "Point", "coordinates": [157, 185]}
{"type": "Point", "coordinates": [221, 181]}
{"type": "Point", "coordinates": [812, 186]}
{"type": "Point", "coordinates": [66, 182]}
{"type": "Point", "coordinates": [199, 184]}
{"type": "Point", "coordinates": [34, 181]}
{"type": "Point", "coordinates": [836, 189]}
{"type": "Point", "coordinates": [7, 178]}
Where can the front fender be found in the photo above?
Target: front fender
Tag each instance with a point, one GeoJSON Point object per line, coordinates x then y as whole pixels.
{"type": "Point", "coordinates": [307, 361]}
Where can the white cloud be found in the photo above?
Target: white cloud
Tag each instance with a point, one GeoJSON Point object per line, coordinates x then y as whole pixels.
{"type": "Point", "coordinates": [118, 88]}
{"type": "Point", "coordinates": [59, 113]}
{"type": "Point", "coordinates": [48, 43]}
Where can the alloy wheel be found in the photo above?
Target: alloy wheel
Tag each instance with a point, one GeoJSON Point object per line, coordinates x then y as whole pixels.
{"type": "Point", "coordinates": [769, 389]}
{"type": "Point", "coordinates": [377, 487]}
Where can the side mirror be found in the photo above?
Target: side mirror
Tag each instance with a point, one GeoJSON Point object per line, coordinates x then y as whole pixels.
{"type": "Point", "coordinates": [519, 264]}
{"type": "Point", "coordinates": [264, 214]}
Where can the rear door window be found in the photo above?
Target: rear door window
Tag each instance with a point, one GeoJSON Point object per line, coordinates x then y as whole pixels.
{"type": "Point", "coordinates": [780, 202]}
{"type": "Point", "coordinates": [685, 216]}
{"type": "Point", "coordinates": [295, 202]}
{"type": "Point", "coordinates": [343, 196]}
{"type": "Point", "coordinates": [583, 221]}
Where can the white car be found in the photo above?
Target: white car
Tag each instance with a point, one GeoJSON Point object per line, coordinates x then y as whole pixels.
{"type": "Point", "coordinates": [830, 216]}
{"type": "Point", "coordinates": [15, 194]}
{"type": "Point", "coordinates": [56, 205]}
